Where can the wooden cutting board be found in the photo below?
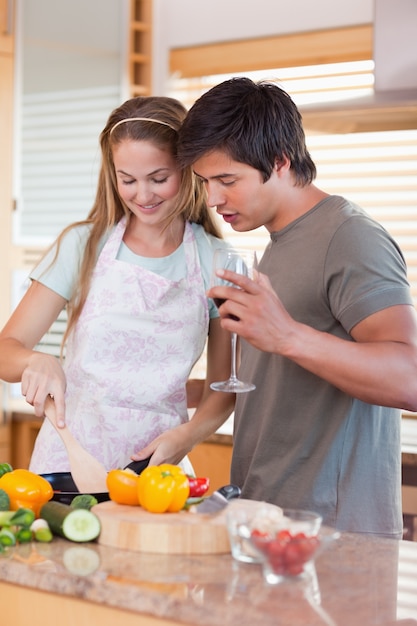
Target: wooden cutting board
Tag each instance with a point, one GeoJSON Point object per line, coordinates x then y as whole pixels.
{"type": "Point", "coordinates": [133, 528]}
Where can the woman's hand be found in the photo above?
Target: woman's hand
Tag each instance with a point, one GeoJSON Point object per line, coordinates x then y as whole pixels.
{"type": "Point", "coordinates": [169, 447]}
{"type": "Point", "coordinates": [40, 374]}
{"type": "Point", "coordinates": [44, 378]}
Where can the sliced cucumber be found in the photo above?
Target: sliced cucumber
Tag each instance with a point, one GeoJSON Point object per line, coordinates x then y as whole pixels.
{"type": "Point", "coordinates": [77, 525]}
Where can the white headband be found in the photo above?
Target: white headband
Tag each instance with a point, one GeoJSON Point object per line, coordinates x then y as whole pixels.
{"type": "Point", "coordinates": [141, 119]}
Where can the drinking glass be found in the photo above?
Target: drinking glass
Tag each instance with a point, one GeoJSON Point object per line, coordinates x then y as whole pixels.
{"type": "Point", "coordinates": [241, 262]}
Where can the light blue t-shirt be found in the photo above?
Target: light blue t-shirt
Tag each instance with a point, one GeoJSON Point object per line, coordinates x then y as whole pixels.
{"type": "Point", "coordinates": [61, 274]}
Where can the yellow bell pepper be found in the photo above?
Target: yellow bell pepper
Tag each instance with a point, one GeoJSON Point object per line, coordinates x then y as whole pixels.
{"type": "Point", "coordinates": [123, 486]}
{"type": "Point", "coordinates": [26, 490]}
{"type": "Point", "coordinates": [163, 488]}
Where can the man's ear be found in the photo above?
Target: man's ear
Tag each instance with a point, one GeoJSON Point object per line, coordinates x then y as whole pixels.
{"type": "Point", "coordinates": [282, 164]}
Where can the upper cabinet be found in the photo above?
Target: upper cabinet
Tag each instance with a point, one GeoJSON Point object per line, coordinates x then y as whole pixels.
{"type": "Point", "coordinates": [140, 46]}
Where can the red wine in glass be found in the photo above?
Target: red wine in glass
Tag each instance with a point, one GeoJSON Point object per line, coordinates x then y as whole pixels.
{"type": "Point", "coordinates": [218, 302]}
{"type": "Point", "coordinates": [242, 262]}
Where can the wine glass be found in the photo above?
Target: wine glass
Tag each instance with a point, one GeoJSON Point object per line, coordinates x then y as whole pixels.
{"type": "Point", "coordinates": [241, 262]}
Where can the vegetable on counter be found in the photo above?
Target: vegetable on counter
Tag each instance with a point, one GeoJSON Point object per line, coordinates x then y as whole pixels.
{"type": "Point", "coordinates": [4, 501]}
{"type": "Point", "coordinates": [18, 527]}
{"type": "Point", "coordinates": [198, 486]}
{"type": "Point", "coordinates": [7, 538]}
{"type": "Point", "coordinates": [5, 517]}
{"type": "Point", "coordinates": [163, 488]}
{"type": "Point", "coordinates": [42, 532]}
{"type": "Point", "coordinates": [123, 486]}
{"type": "Point", "coordinates": [84, 501]}
{"type": "Point", "coordinates": [4, 468]}
{"type": "Point", "coordinates": [22, 517]}
{"type": "Point", "coordinates": [77, 525]}
{"type": "Point", "coordinates": [22, 493]}
{"type": "Point", "coordinates": [26, 489]}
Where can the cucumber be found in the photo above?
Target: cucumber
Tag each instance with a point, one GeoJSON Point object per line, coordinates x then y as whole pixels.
{"type": "Point", "coordinates": [77, 525]}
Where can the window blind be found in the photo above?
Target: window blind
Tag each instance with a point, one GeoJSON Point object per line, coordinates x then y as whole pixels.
{"type": "Point", "coordinates": [60, 159]}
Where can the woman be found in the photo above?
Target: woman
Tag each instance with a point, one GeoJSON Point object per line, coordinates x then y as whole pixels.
{"type": "Point", "coordinates": [133, 276]}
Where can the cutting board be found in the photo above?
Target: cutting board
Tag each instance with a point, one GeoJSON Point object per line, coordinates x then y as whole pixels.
{"type": "Point", "coordinates": [133, 528]}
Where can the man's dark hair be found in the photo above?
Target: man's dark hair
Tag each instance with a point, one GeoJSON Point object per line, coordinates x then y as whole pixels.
{"type": "Point", "coordinates": [254, 123]}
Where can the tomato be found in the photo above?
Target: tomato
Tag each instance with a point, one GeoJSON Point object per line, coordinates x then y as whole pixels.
{"type": "Point", "coordinates": [283, 535]}
{"type": "Point", "coordinates": [292, 554]}
{"type": "Point", "coordinates": [198, 486]}
{"type": "Point", "coordinates": [276, 548]}
{"type": "Point", "coordinates": [287, 553]}
{"type": "Point", "coordinates": [123, 486]}
{"type": "Point", "coordinates": [294, 569]}
{"type": "Point", "coordinates": [307, 546]}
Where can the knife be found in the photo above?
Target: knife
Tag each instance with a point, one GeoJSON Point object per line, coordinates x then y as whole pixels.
{"type": "Point", "coordinates": [218, 500]}
{"type": "Point", "coordinates": [138, 466]}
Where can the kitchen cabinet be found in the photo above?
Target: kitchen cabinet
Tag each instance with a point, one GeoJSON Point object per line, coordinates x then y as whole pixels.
{"type": "Point", "coordinates": [24, 430]}
{"type": "Point", "coordinates": [140, 48]}
{"type": "Point", "coordinates": [212, 458]}
{"type": "Point", "coordinates": [5, 443]}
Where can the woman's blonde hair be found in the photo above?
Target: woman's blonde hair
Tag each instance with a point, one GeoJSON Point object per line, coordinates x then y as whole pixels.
{"type": "Point", "coordinates": [159, 121]}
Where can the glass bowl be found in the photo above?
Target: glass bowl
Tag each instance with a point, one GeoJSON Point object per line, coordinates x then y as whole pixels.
{"type": "Point", "coordinates": [242, 517]}
{"type": "Point", "coordinates": [286, 548]}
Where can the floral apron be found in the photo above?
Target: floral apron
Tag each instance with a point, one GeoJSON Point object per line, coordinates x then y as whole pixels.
{"type": "Point", "coordinates": [128, 358]}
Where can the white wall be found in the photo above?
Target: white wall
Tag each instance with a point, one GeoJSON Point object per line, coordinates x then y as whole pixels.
{"type": "Point", "coordinates": [71, 45]}
{"type": "Point", "coordinates": [57, 30]}
{"type": "Point", "coordinates": [179, 23]}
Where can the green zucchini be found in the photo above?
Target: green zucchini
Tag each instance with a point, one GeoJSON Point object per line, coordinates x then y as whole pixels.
{"type": "Point", "coordinates": [77, 525]}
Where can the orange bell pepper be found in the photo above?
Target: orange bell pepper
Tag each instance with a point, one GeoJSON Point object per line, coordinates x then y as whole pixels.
{"type": "Point", "coordinates": [163, 488]}
{"type": "Point", "coordinates": [123, 486]}
{"type": "Point", "coordinates": [26, 490]}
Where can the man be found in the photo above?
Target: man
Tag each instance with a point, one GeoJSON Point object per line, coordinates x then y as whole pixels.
{"type": "Point", "coordinates": [329, 329]}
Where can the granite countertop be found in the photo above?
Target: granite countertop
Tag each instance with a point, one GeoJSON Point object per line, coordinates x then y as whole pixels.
{"type": "Point", "coordinates": [357, 580]}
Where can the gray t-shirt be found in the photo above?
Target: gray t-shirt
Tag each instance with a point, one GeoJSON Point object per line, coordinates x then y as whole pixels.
{"type": "Point", "coordinates": [61, 275]}
{"type": "Point", "coordinates": [299, 441]}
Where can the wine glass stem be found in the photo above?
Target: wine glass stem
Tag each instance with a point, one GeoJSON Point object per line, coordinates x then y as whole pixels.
{"type": "Point", "coordinates": [234, 356]}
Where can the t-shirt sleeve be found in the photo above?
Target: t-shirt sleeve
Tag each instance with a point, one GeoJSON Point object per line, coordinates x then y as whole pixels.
{"type": "Point", "coordinates": [60, 271]}
{"type": "Point", "coordinates": [368, 272]}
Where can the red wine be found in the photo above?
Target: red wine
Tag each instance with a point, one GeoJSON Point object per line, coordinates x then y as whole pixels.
{"type": "Point", "coordinates": [218, 302]}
